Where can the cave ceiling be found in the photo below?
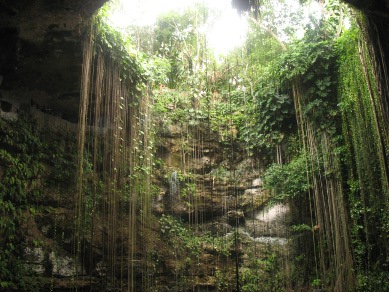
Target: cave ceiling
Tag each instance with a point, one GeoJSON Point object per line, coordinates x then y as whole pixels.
{"type": "Point", "coordinates": [41, 51]}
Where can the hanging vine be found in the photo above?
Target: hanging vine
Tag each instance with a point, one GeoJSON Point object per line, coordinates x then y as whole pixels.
{"type": "Point", "coordinates": [115, 142]}
{"type": "Point", "coordinates": [367, 183]}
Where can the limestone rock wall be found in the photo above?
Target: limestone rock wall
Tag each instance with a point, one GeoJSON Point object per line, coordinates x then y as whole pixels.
{"type": "Point", "coordinates": [202, 169]}
{"type": "Point", "coordinates": [41, 52]}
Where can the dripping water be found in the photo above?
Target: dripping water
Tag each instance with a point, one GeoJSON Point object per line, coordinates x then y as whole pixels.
{"type": "Point", "coordinates": [174, 186]}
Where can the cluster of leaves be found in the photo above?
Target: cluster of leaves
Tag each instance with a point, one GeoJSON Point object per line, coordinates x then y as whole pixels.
{"type": "Point", "coordinates": [181, 237]}
{"type": "Point", "coordinates": [20, 156]}
{"type": "Point", "coordinates": [227, 114]}
{"type": "Point", "coordinates": [60, 157]}
{"type": "Point", "coordinates": [272, 118]}
{"type": "Point", "coordinates": [263, 110]}
{"type": "Point", "coordinates": [186, 243]}
{"type": "Point", "coordinates": [367, 192]}
{"type": "Point", "coordinates": [157, 70]}
{"type": "Point", "coordinates": [184, 249]}
{"type": "Point", "coordinates": [120, 50]}
{"type": "Point", "coordinates": [175, 38]}
{"type": "Point", "coordinates": [262, 274]}
{"type": "Point", "coordinates": [171, 106]}
{"type": "Point", "coordinates": [312, 62]}
{"type": "Point", "coordinates": [31, 160]}
{"type": "Point", "coordinates": [20, 164]}
{"type": "Point", "coordinates": [287, 181]}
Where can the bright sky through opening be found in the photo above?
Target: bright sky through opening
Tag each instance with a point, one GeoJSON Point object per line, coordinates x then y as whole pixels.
{"type": "Point", "coordinates": [228, 29]}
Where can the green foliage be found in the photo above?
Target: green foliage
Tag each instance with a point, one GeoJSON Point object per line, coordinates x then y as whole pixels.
{"type": "Point", "coordinates": [254, 105]}
{"type": "Point", "coordinates": [223, 280]}
{"type": "Point", "coordinates": [185, 247]}
{"type": "Point", "coordinates": [20, 187]}
{"type": "Point", "coordinates": [261, 50]}
{"type": "Point", "coordinates": [120, 50]}
{"type": "Point", "coordinates": [20, 156]}
{"type": "Point", "coordinates": [176, 38]}
{"type": "Point", "coordinates": [271, 119]}
{"type": "Point", "coordinates": [375, 280]}
{"type": "Point", "coordinates": [183, 240]}
{"type": "Point", "coordinates": [11, 270]}
{"type": "Point", "coordinates": [157, 70]}
{"type": "Point", "coordinates": [227, 113]}
{"type": "Point", "coordinates": [31, 161]}
{"type": "Point", "coordinates": [367, 191]}
{"type": "Point", "coordinates": [262, 274]}
{"type": "Point", "coordinates": [312, 62]}
{"type": "Point", "coordinates": [287, 181]}
{"type": "Point", "coordinates": [176, 108]}
{"type": "Point", "coordinates": [300, 228]}
{"type": "Point", "coordinates": [60, 157]}
{"type": "Point", "coordinates": [316, 283]}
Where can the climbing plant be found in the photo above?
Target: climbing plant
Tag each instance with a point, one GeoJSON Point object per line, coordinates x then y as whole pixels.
{"type": "Point", "coordinates": [121, 49]}
{"type": "Point", "coordinates": [272, 119]}
{"type": "Point", "coordinates": [289, 181]}
{"type": "Point", "coordinates": [33, 162]}
{"type": "Point", "coordinates": [20, 188]}
{"type": "Point", "coordinates": [366, 179]}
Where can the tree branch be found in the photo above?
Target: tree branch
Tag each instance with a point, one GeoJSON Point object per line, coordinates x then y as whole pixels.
{"type": "Point", "coordinates": [269, 31]}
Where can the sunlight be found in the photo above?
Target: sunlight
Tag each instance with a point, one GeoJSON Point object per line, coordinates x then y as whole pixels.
{"type": "Point", "coordinates": [228, 32]}
{"type": "Point", "coordinates": [225, 29]}
{"type": "Point", "coordinates": [145, 12]}
{"type": "Point", "coordinates": [314, 11]}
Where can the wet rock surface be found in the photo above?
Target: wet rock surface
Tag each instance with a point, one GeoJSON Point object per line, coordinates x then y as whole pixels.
{"type": "Point", "coordinates": [35, 260]}
{"type": "Point", "coordinates": [206, 178]}
{"type": "Point", "coordinates": [271, 221]}
{"type": "Point", "coordinates": [41, 262]}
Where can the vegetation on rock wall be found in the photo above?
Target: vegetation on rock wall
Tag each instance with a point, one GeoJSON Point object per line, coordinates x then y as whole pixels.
{"type": "Point", "coordinates": [114, 195]}
{"type": "Point", "coordinates": [20, 188]}
{"type": "Point", "coordinates": [306, 110]}
{"type": "Point", "coordinates": [253, 99]}
{"type": "Point", "coordinates": [364, 159]}
{"type": "Point", "coordinates": [344, 167]}
{"type": "Point", "coordinates": [34, 167]}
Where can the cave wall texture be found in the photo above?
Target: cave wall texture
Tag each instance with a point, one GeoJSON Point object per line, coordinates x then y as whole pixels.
{"type": "Point", "coordinates": [41, 53]}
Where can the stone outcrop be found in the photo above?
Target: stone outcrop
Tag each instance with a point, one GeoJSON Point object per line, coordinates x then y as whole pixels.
{"type": "Point", "coordinates": [208, 182]}
{"type": "Point", "coordinates": [39, 262]}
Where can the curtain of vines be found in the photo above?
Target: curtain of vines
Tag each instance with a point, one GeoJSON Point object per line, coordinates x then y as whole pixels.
{"type": "Point", "coordinates": [333, 258]}
{"type": "Point", "coordinates": [364, 129]}
{"type": "Point", "coordinates": [113, 198]}
{"type": "Point", "coordinates": [310, 69]}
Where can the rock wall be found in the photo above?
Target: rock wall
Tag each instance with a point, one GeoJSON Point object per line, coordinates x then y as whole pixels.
{"type": "Point", "coordinates": [220, 194]}
{"type": "Point", "coordinates": [204, 168]}
{"type": "Point", "coordinates": [41, 52]}
{"type": "Point", "coordinates": [206, 194]}
{"type": "Point", "coordinates": [199, 212]}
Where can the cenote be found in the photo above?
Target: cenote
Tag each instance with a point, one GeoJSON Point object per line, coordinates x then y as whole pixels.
{"type": "Point", "coordinates": [194, 145]}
